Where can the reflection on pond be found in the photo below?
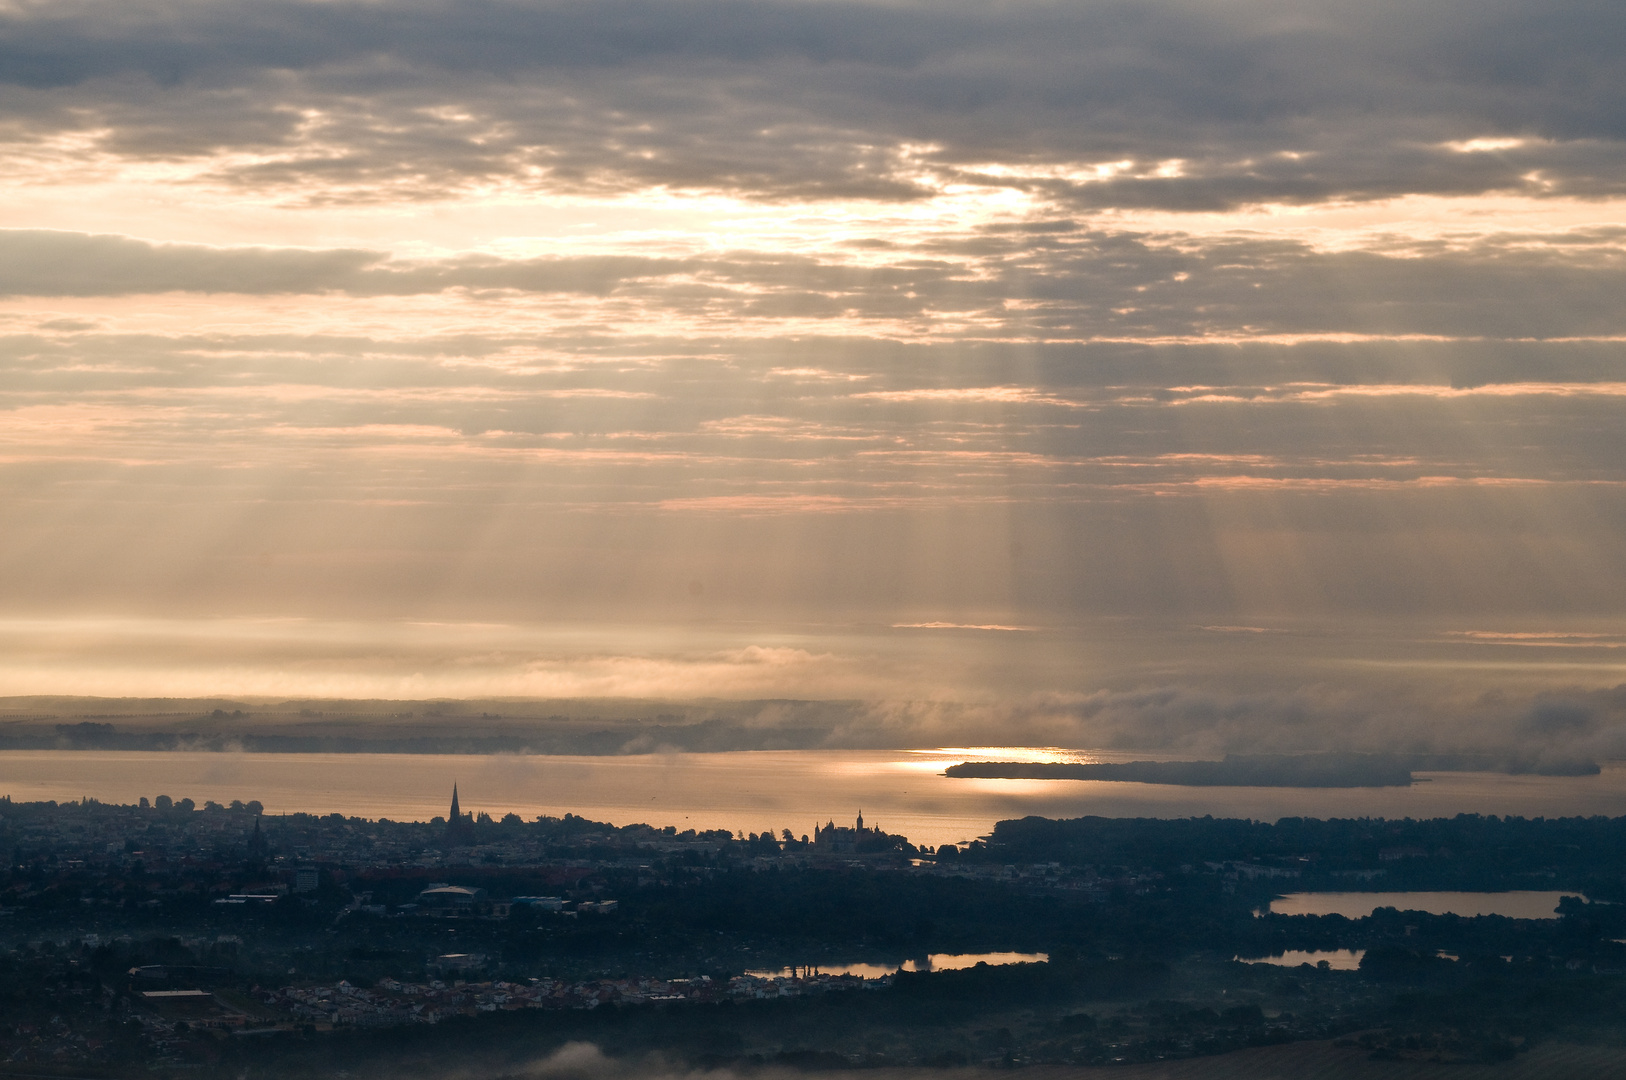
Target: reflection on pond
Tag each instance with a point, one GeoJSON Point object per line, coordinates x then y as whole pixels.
{"type": "Point", "coordinates": [934, 962]}
{"type": "Point", "coordinates": [1336, 959]}
{"type": "Point", "coordinates": [1524, 904]}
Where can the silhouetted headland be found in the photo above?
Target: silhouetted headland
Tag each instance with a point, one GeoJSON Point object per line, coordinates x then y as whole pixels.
{"type": "Point", "coordinates": [1269, 770]}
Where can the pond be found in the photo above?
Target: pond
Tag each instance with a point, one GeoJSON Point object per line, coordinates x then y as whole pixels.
{"type": "Point", "coordinates": [1519, 904]}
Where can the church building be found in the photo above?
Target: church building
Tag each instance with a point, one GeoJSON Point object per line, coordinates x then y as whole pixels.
{"type": "Point", "coordinates": [839, 838]}
{"type": "Point", "coordinates": [459, 827]}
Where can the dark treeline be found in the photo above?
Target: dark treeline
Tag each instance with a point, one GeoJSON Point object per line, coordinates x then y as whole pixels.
{"type": "Point", "coordinates": [1467, 851]}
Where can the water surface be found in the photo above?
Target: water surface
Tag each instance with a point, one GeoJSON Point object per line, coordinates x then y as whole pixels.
{"type": "Point", "coordinates": [903, 791]}
{"type": "Point", "coordinates": [1521, 904]}
{"type": "Point", "coordinates": [1337, 959]}
{"type": "Point", "coordinates": [933, 962]}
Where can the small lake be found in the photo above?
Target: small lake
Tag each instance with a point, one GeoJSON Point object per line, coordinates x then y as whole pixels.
{"type": "Point", "coordinates": [1523, 904]}
{"type": "Point", "coordinates": [934, 962]}
{"type": "Point", "coordinates": [1337, 959]}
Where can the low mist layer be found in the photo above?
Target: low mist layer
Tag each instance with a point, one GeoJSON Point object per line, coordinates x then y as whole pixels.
{"type": "Point", "coordinates": [1541, 699]}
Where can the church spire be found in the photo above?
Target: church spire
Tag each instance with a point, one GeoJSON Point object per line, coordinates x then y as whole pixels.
{"type": "Point", "coordinates": [256, 842]}
{"type": "Point", "coordinates": [458, 827]}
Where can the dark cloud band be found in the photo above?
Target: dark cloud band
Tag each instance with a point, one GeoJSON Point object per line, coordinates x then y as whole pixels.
{"type": "Point", "coordinates": [1196, 105]}
{"type": "Point", "coordinates": [1072, 285]}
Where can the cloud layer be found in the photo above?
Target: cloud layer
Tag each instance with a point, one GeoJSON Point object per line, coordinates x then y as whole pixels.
{"type": "Point", "coordinates": [892, 318]}
{"type": "Point", "coordinates": [1181, 105]}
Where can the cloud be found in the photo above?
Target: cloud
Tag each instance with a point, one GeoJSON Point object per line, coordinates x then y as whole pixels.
{"type": "Point", "coordinates": [43, 263]}
{"type": "Point", "coordinates": [1166, 103]}
{"type": "Point", "coordinates": [1020, 395]}
{"type": "Point", "coordinates": [1083, 286]}
{"type": "Point", "coordinates": [884, 313]}
{"type": "Point", "coordinates": [961, 626]}
{"type": "Point", "coordinates": [50, 263]}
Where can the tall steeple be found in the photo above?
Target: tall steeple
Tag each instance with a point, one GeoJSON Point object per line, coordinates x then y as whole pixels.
{"type": "Point", "coordinates": [256, 842]}
{"type": "Point", "coordinates": [458, 827]}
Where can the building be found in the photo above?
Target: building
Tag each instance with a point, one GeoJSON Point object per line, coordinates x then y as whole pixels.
{"type": "Point", "coordinates": [837, 839]}
{"type": "Point", "coordinates": [456, 963]}
{"type": "Point", "coordinates": [541, 903]}
{"type": "Point", "coordinates": [257, 847]}
{"type": "Point", "coordinates": [452, 901]}
{"type": "Point", "coordinates": [459, 828]}
{"type": "Point", "coordinates": [199, 1008]}
{"type": "Point", "coordinates": [451, 896]}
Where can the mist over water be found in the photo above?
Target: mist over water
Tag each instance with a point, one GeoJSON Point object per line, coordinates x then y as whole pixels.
{"type": "Point", "coordinates": [1176, 687]}
{"type": "Point", "coordinates": [585, 1061]}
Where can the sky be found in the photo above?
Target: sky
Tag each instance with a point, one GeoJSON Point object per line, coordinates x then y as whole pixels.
{"type": "Point", "coordinates": [1061, 359]}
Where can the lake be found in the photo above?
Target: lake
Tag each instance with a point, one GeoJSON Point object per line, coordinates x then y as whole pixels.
{"type": "Point", "coordinates": [1336, 959]}
{"type": "Point", "coordinates": [1522, 904]}
{"type": "Point", "coordinates": [934, 962]}
{"type": "Point", "coordinates": [903, 791]}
